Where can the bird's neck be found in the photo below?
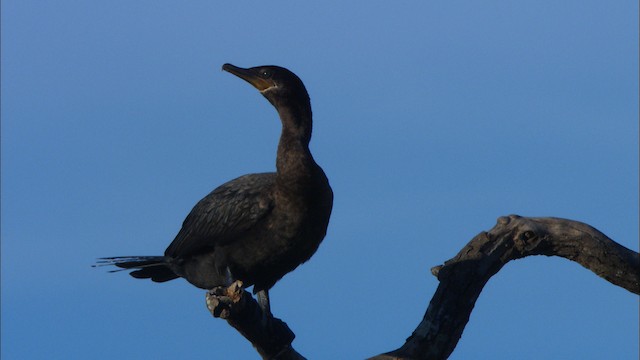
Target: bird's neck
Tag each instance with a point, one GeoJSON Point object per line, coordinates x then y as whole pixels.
{"type": "Point", "coordinates": [294, 163]}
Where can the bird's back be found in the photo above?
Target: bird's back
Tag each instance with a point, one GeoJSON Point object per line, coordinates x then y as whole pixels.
{"type": "Point", "coordinates": [223, 215]}
{"type": "Point", "coordinates": [226, 217]}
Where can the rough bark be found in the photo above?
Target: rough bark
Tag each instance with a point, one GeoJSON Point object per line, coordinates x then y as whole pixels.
{"type": "Point", "coordinates": [462, 278]}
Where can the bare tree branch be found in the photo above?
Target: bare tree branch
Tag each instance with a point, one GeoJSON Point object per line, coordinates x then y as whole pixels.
{"type": "Point", "coordinates": [269, 335]}
{"type": "Point", "coordinates": [462, 278]}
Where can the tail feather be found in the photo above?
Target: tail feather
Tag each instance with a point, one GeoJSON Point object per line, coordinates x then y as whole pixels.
{"type": "Point", "coordinates": [155, 268]}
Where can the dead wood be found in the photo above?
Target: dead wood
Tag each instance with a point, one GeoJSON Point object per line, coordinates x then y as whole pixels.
{"type": "Point", "coordinates": [462, 279]}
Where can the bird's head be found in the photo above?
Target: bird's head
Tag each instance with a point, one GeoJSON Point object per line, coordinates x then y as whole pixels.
{"type": "Point", "coordinates": [276, 83]}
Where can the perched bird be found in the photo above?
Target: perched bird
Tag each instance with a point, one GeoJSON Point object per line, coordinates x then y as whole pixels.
{"type": "Point", "coordinates": [258, 227]}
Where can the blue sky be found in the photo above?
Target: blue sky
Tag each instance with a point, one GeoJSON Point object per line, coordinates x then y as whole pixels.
{"type": "Point", "coordinates": [431, 119]}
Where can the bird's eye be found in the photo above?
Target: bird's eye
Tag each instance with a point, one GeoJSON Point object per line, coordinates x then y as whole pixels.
{"type": "Point", "coordinates": [265, 73]}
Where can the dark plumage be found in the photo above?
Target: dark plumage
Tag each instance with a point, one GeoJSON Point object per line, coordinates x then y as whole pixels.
{"type": "Point", "coordinates": [258, 227]}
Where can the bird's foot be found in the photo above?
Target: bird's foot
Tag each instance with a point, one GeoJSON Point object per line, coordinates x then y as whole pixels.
{"type": "Point", "coordinates": [221, 299]}
{"type": "Point", "coordinates": [265, 306]}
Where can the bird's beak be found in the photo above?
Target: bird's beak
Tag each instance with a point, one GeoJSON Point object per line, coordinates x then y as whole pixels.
{"type": "Point", "coordinates": [249, 76]}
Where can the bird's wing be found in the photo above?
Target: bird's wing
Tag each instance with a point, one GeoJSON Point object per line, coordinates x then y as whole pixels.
{"type": "Point", "coordinates": [225, 214]}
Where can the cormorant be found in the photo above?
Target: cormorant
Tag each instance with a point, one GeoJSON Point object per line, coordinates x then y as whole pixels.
{"type": "Point", "coordinates": [258, 227]}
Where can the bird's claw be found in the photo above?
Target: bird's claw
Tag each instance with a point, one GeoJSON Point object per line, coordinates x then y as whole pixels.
{"type": "Point", "coordinates": [221, 299]}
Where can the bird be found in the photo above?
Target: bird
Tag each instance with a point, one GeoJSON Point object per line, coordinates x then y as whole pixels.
{"type": "Point", "coordinates": [258, 227]}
